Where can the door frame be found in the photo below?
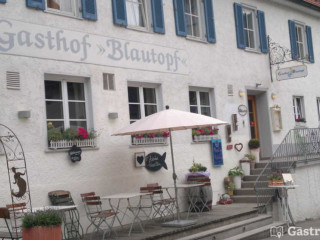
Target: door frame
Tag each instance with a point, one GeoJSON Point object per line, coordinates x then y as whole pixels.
{"type": "Point", "coordinates": [255, 116]}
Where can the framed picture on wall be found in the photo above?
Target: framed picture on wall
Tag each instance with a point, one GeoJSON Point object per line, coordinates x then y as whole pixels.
{"type": "Point", "coordinates": [139, 158]}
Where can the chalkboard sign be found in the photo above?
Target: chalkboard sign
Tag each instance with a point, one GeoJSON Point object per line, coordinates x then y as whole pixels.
{"type": "Point", "coordinates": [154, 161]}
{"type": "Point", "coordinates": [217, 152]}
{"type": "Point", "coordinates": [75, 153]}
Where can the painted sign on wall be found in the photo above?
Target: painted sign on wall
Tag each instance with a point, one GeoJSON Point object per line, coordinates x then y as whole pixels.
{"type": "Point", "coordinates": [154, 161]}
{"type": "Point", "coordinates": [75, 153]}
{"type": "Point", "coordinates": [217, 152]}
{"type": "Point", "coordinates": [292, 72]}
{"type": "Point", "coordinates": [25, 39]}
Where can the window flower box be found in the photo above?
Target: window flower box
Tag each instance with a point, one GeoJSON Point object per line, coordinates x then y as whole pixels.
{"type": "Point", "coordinates": [204, 134]}
{"type": "Point", "coordinates": [61, 144]}
{"type": "Point", "coordinates": [204, 138]}
{"type": "Point", "coordinates": [150, 138]}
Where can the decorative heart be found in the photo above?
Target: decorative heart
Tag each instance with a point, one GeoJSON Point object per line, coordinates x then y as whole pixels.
{"type": "Point", "coordinates": [238, 147]}
{"type": "Point", "coordinates": [140, 159]}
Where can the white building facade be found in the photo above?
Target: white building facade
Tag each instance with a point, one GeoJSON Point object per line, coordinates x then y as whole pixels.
{"type": "Point", "coordinates": [103, 64]}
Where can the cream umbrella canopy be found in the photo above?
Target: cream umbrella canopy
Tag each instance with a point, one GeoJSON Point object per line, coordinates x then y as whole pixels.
{"type": "Point", "coordinates": [169, 120]}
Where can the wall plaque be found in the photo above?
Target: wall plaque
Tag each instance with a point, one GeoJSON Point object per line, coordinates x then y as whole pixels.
{"type": "Point", "coordinates": [242, 110]}
{"type": "Point", "coordinates": [217, 152]}
{"type": "Point", "coordinates": [292, 72]}
{"type": "Point", "coordinates": [75, 153]}
{"type": "Point", "coordinates": [154, 161]}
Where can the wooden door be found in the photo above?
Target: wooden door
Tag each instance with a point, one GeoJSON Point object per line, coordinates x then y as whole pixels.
{"type": "Point", "coordinates": [253, 118]}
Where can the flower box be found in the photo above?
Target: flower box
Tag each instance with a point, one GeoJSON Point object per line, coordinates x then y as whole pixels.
{"type": "Point", "coordinates": [204, 138]}
{"type": "Point", "coordinates": [149, 141]}
{"type": "Point", "coordinates": [61, 144]}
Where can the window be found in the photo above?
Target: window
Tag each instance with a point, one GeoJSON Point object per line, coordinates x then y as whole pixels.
{"type": "Point", "coordinates": [194, 18]}
{"type": "Point", "coordinates": [142, 102]}
{"type": "Point", "coordinates": [298, 108]}
{"type": "Point", "coordinates": [137, 13]}
{"type": "Point", "coordinates": [250, 23]}
{"type": "Point", "coordinates": [108, 81]}
{"type": "Point", "coordinates": [66, 7]}
{"type": "Point", "coordinates": [66, 104]}
{"type": "Point", "coordinates": [301, 42]}
{"type": "Point", "coordinates": [200, 102]}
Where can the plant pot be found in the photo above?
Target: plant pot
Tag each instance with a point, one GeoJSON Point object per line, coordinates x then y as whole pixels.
{"type": "Point", "coordinates": [256, 153]}
{"type": "Point", "coordinates": [230, 193]}
{"type": "Point", "coordinates": [42, 233]}
{"type": "Point", "coordinates": [237, 182]}
{"type": "Point", "coordinates": [245, 165]}
{"type": "Point", "coordinates": [278, 182]}
{"type": "Point", "coordinates": [270, 182]}
{"type": "Point", "coordinates": [252, 164]}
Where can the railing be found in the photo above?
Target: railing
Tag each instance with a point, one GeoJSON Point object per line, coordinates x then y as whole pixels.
{"type": "Point", "coordinates": [298, 145]}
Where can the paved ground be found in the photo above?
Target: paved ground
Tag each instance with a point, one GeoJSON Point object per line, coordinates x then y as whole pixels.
{"type": "Point", "coordinates": [315, 224]}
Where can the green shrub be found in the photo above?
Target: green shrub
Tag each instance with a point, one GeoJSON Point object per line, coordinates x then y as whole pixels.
{"type": "Point", "coordinates": [254, 143]}
{"type": "Point", "coordinates": [70, 134]}
{"type": "Point", "coordinates": [236, 171]}
{"type": "Point", "coordinates": [197, 167]}
{"type": "Point", "coordinates": [54, 134]}
{"type": "Point", "coordinates": [250, 157]}
{"type": "Point", "coordinates": [41, 219]}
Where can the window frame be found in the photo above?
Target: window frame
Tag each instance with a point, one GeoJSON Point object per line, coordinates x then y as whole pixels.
{"type": "Point", "coordinates": [318, 107]}
{"type": "Point", "coordinates": [210, 91]}
{"type": "Point", "coordinates": [255, 23]}
{"type": "Point", "coordinates": [76, 5]}
{"type": "Point", "coordinates": [141, 103]}
{"type": "Point", "coordinates": [302, 27]}
{"type": "Point", "coordinates": [148, 17]}
{"type": "Point", "coordinates": [65, 100]}
{"type": "Point", "coordinates": [295, 108]}
{"type": "Point", "coordinates": [202, 23]}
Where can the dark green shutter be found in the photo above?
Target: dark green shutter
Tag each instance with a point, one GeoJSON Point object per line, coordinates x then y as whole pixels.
{"type": "Point", "coordinates": [310, 44]}
{"type": "Point", "coordinates": [238, 16]}
{"type": "Point", "coordinates": [181, 28]}
{"type": "Point", "coordinates": [157, 16]}
{"type": "Point", "coordinates": [293, 39]}
{"type": "Point", "coordinates": [38, 4]}
{"type": "Point", "coordinates": [119, 12]}
{"type": "Point", "coordinates": [262, 32]}
{"type": "Point", "coordinates": [209, 17]}
{"type": "Point", "coordinates": [89, 9]}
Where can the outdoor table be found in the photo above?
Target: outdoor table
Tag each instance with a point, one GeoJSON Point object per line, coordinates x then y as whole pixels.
{"type": "Point", "coordinates": [116, 207]}
{"type": "Point", "coordinates": [192, 197]}
{"type": "Point", "coordinates": [284, 199]}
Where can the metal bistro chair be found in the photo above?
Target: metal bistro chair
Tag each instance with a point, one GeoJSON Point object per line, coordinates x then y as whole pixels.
{"type": "Point", "coordinates": [96, 215]}
{"type": "Point", "coordinates": [163, 207]}
{"type": "Point", "coordinates": [8, 234]}
{"type": "Point", "coordinates": [16, 212]}
{"type": "Point", "coordinates": [70, 218]}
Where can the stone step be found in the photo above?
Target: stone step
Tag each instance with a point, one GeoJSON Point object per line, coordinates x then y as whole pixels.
{"type": "Point", "coordinates": [250, 184]}
{"type": "Point", "coordinates": [233, 229]}
{"type": "Point", "coordinates": [250, 198]}
{"type": "Point", "coordinates": [250, 191]}
{"type": "Point", "coordinates": [254, 178]}
{"type": "Point", "coordinates": [260, 164]}
{"type": "Point", "coordinates": [257, 171]}
{"type": "Point", "coordinates": [258, 233]}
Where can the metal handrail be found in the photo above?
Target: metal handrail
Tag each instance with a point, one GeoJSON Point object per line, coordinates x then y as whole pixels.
{"type": "Point", "coordinates": [299, 144]}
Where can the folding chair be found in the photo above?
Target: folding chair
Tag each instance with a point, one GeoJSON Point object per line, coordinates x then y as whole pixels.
{"type": "Point", "coordinates": [17, 212]}
{"type": "Point", "coordinates": [163, 207]}
{"type": "Point", "coordinates": [8, 234]}
{"type": "Point", "coordinates": [96, 215]}
{"type": "Point", "coordinates": [70, 218]}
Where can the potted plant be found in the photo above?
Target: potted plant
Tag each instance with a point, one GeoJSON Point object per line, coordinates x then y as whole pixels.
{"type": "Point", "coordinates": [300, 122]}
{"type": "Point", "coordinates": [197, 167]}
{"type": "Point", "coordinates": [236, 173]}
{"type": "Point", "coordinates": [42, 225]}
{"type": "Point", "coordinates": [252, 159]}
{"type": "Point", "coordinates": [275, 179]}
{"type": "Point", "coordinates": [150, 138]}
{"type": "Point", "coordinates": [204, 134]}
{"type": "Point", "coordinates": [254, 146]}
{"type": "Point", "coordinates": [245, 165]}
{"type": "Point", "coordinates": [229, 185]}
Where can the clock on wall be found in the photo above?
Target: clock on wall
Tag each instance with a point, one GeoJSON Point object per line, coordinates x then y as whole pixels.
{"type": "Point", "coordinates": [242, 110]}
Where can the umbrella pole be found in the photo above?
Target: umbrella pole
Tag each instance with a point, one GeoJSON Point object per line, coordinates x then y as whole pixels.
{"type": "Point", "coordinates": [174, 176]}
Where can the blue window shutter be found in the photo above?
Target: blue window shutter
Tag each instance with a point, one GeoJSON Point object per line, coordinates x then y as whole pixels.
{"type": "Point", "coordinates": [293, 39]}
{"type": "Point", "coordinates": [238, 16]}
{"type": "Point", "coordinates": [119, 12]}
{"type": "Point", "coordinates": [38, 4]}
{"type": "Point", "coordinates": [181, 29]}
{"type": "Point", "coordinates": [157, 16]}
{"type": "Point", "coordinates": [3, 1]}
{"type": "Point", "coordinates": [310, 44]}
{"type": "Point", "coordinates": [89, 9]}
{"type": "Point", "coordinates": [210, 27]}
{"type": "Point", "coordinates": [262, 32]}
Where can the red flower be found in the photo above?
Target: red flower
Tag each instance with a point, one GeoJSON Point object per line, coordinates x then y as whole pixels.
{"type": "Point", "coordinates": [211, 132]}
{"type": "Point", "coordinates": [82, 133]}
{"type": "Point", "coordinates": [151, 135]}
{"type": "Point", "coordinates": [166, 134]}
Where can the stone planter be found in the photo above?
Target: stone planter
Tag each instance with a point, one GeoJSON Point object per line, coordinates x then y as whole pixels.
{"type": "Point", "coordinates": [256, 153]}
{"type": "Point", "coordinates": [42, 233]}
{"type": "Point", "coordinates": [237, 182]}
{"type": "Point", "coordinates": [245, 165]}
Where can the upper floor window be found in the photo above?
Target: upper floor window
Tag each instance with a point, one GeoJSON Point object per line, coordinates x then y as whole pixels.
{"type": "Point", "coordinates": [63, 6]}
{"type": "Point", "coordinates": [139, 14]}
{"type": "Point", "coordinates": [195, 19]}
{"type": "Point", "coordinates": [298, 108]}
{"type": "Point", "coordinates": [301, 41]}
{"type": "Point", "coordinates": [250, 28]}
{"type": "Point", "coordinates": [200, 102]}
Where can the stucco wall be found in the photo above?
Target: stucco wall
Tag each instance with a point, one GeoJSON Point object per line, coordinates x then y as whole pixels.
{"type": "Point", "coordinates": [110, 168]}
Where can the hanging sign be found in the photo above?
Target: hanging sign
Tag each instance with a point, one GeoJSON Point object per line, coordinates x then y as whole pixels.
{"type": "Point", "coordinates": [242, 110]}
{"type": "Point", "coordinates": [75, 153]}
{"type": "Point", "coordinates": [292, 72]}
{"type": "Point", "coordinates": [217, 152]}
{"type": "Point", "coordinates": [154, 161]}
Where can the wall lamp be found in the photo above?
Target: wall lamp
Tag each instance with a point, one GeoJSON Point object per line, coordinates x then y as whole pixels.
{"type": "Point", "coordinates": [241, 93]}
{"type": "Point", "coordinates": [273, 96]}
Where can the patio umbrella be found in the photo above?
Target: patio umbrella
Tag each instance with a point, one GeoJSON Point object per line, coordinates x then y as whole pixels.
{"type": "Point", "coordinates": [170, 120]}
